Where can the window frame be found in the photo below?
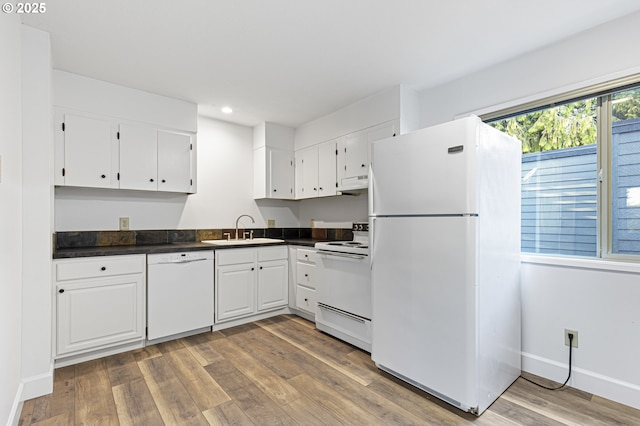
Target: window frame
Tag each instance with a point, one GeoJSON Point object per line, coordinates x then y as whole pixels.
{"type": "Point", "coordinates": [603, 92]}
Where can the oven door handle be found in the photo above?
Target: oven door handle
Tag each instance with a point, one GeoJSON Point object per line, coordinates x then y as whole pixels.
{"type": "Point", "coordinates": [340, 312]}
{"type": "Point", "coordinates": [347, 255]}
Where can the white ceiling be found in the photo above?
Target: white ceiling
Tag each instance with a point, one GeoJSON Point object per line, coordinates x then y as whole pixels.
{"type": "Point", "coordinates": [290, 61]}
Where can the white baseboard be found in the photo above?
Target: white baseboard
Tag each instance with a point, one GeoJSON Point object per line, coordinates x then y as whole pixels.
{"type": "Point", "coordinates": [607, 387]}
{"type": "Point", "coordinates": [16, 408]}
{"type": "Point", "coordinates": [39, 385]}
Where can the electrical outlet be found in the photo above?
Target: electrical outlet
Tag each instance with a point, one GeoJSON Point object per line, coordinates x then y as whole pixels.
{"type": "Point", "coordinates": [574, 341]}
{"type": "Point", "coordinates": [271, 223]}
{"type": "Point", "coordinates": [124, 223]}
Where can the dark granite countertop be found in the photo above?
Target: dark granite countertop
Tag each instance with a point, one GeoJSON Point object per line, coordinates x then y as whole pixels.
{"type": "Point", "coordinates": [67, 253]}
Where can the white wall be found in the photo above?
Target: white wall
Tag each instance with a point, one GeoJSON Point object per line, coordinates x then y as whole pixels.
{"type": "Point", "coordinates": [602, 304]}
{"type": "Point", "coordinates": [10, 217]}
{"type": "Point", "coordinates": [37, 213]}
{"type": "Point", "coordinates": [333, 212]}
{"type": "Point", "coordinates": [225, 191]}
{"type": "Point", "coordinates": [600, 54]}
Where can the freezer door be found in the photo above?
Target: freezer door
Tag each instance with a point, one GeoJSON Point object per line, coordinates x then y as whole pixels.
{"type": "Point", "coordinates": [430, 171]}
{"type": "Point", "coordinates": [424, 303]}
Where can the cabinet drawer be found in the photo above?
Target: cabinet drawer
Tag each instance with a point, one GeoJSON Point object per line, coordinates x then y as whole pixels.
{"type": "Point", "coordinates": [235, 256]}
{"type": "Point", "coordinates": [305, 274]}
{"type": "Point", "coordinates": [272, 253]}
{"type": "Point", "coordinates": [306, 299]}
{"type": "Point", "coordinates": [98, 267]}
{"type": "Point", "coordinates": [306, 255]}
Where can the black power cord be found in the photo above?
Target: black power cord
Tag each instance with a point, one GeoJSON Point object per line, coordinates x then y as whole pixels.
{"type": "Point", "coordinates": [570, 335]}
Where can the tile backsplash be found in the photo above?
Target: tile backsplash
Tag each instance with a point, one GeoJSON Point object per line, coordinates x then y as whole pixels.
{"type": "Point", "coordinates": [79, 239]}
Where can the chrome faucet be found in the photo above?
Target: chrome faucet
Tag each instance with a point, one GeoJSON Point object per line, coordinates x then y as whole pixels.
{"type": "Point", "coordinates": [238, 220]}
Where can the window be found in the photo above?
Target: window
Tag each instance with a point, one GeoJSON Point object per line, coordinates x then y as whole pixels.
{"type": "Point", "coordinates": [580, 175]}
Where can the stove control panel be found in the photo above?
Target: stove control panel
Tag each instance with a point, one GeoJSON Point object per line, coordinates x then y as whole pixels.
{"type": "Point", "coordinates": [360, 226]}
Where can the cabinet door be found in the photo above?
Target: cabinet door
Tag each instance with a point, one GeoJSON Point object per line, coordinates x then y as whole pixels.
{"type": "Point", "coordinates": [281, 174]}
{"type": "Point", "coordinates": [90, 152]}
{"type": "Point", "coordinates": [327, 169]}
{"type": "Point", "coordinates": [235, 291]}
{"type": "Point", "coordinates": [174, 162]}
{"type": "Point", "coordinates": [381, 131]}
{"type": "Point", "coordinates": [273, 284]}
{"type": "Point", "coordinates": [99, 313]}
{"type": "Point", "coordinates": [309, 173]}
{"type": "Point", "coordinates": [138, 157]}
{"type": "Point", "coordinates": [356, 152]}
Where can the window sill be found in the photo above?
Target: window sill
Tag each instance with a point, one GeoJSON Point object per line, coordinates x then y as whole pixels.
{"type": "Point", "coordinates": [582, 263]}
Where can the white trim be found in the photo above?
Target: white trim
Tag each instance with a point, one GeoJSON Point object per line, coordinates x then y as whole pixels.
{"type": "Point", "coordinates": [607, 387]}
{"type": "Point", "coordinates": [16, 408]}
{"type": "Point", "coordinates": [553, 92]}
{"type": "Point", "coordinates": [35, 386]}
{"type": "Point", "coordinates": [581, 263]}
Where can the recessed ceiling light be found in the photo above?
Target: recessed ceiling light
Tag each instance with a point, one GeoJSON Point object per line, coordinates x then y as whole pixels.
{"type": "Point", "coordinates": [227, 110]}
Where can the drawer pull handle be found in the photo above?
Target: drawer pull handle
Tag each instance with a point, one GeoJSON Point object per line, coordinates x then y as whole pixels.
{"type": "Point", "coordinates": [103, 268]}
{"type": "Point", "coordinates": [61, 290]}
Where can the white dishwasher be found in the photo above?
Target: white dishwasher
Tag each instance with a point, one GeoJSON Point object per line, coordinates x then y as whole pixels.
{"type": "Point", "coordinates": [179, 292]}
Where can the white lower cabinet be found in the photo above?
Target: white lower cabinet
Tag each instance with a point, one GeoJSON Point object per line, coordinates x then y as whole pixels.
{"type": "Point", "coordinates": [305, 280]}
{"type": "Point", "coordinates": [249, 281]}
{"type": "Point", "coordinates": [100, 303]}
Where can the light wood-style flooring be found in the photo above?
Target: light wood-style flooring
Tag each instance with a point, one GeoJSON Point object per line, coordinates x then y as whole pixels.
{"type": "Point", "coordinates": [281, 371]}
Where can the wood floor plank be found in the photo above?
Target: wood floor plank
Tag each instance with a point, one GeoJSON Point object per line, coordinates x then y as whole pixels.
{"type": "Point", "coordinates": [306, 412]}
{"type": "Point", "coordinates": [204, 391]}
{"type": "Point", "coordinates": [122, 368]}
{"type": "Point", "coordinates": [60, 419]}
{"type": "Point", "coordinates": [282, 371]}
{"type": "Point", "coordinates": [416, 401]}
{"type": "Point", "coordinates": [27, 413]}
{"type": "Point", "coordinates": [61, 400]}
{"type": "Point", "coordinates": [270, 350]}
{"type": "Point", "coordinates": [93, 398]}
{"type": "Point", "coordinates": [147, 352]}
{"type": "Point", "coordinates": [249, 398]}
{"type": "Point", "coordinates": [567, 398]}
{"type": "Point", "coordinates": [227, 413]}
{"type": "Point", "coordinates": [135, 405]}
{"type": "Point", "coordinates": [266, 380]}
{"type": "Point", "coordinates": [346, 411]}
{"type": "Point", "coordinates": [203, 352]}
{"type": "Point", "coordinates": [320, 347]}
{"type": "Point", "coordinates": [521, 414]}
{"type": "Point", "coordinates": [174, 403]}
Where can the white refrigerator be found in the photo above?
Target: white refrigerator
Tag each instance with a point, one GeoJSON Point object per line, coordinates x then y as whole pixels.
{"type": "Point", "coordinates": [444, 210]}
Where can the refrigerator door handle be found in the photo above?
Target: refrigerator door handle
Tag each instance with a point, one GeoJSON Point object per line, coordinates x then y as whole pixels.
{"type": "Point", "coordinates": [372, 240]}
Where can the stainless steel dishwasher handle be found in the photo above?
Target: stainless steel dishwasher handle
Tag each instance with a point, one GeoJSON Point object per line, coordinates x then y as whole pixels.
{"type": "Point", "coordinates": [347, 255]}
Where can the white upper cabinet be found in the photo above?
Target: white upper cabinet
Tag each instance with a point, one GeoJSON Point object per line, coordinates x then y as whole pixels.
{"type": "Point", "coordinates": [174, 162]}
{"type": "Point", "coordinates": [316, 171]}
{"type": "Point", "coordinates": [281, 173]}
{"type": "Point", "coordinates": [89, 152]}
{"type": "Point", "coordinates": [138, 157]}
{"type": "Point", "coordinates": [353, 155]}
{"type": "Point", "coordinates": [99, 152]}
{"type": "Point", "coordinates": [273, 168]}
{"type": "Point", "coordinates": [110, 136]}
{"type": "Point", "coordinates": [327, 169]}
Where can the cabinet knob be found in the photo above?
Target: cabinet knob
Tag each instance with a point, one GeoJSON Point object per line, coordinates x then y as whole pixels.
{"type": "Point", "coordinates": [151, 180]}
{"type": "Point", "coordinates": [306, 275]}
{"type": "Point", "coordinates": [363, 165]}
{"type": "Point", "coordinates": [320, 188]}
{"type": "Point", "coordinates": [306, 300]}
{"type": "Point", "coordinates": [315, 189]}
{"type": "Point", "coordinates": [103, 176]}
{"type": "Point", "coordinates": [261, 267]}
{"type": "Point", "coordinates": [253, 269]}
{"type": "Point", "coordinates": [61, 290]}
{"type": "Point", "coordinates": [104, 268]}
{"type": "Point", "coordinates": [274, 190]}
{"type": "Point", "coordinates": [163, 181]}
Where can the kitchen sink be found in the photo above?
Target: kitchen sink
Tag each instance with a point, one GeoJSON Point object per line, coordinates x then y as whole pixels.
{"type": "Point", "coordinates": [242, 242]}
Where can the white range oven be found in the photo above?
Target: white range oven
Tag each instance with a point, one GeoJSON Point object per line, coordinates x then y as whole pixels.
{"type": "Point", "coordinates": [343, 288]}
